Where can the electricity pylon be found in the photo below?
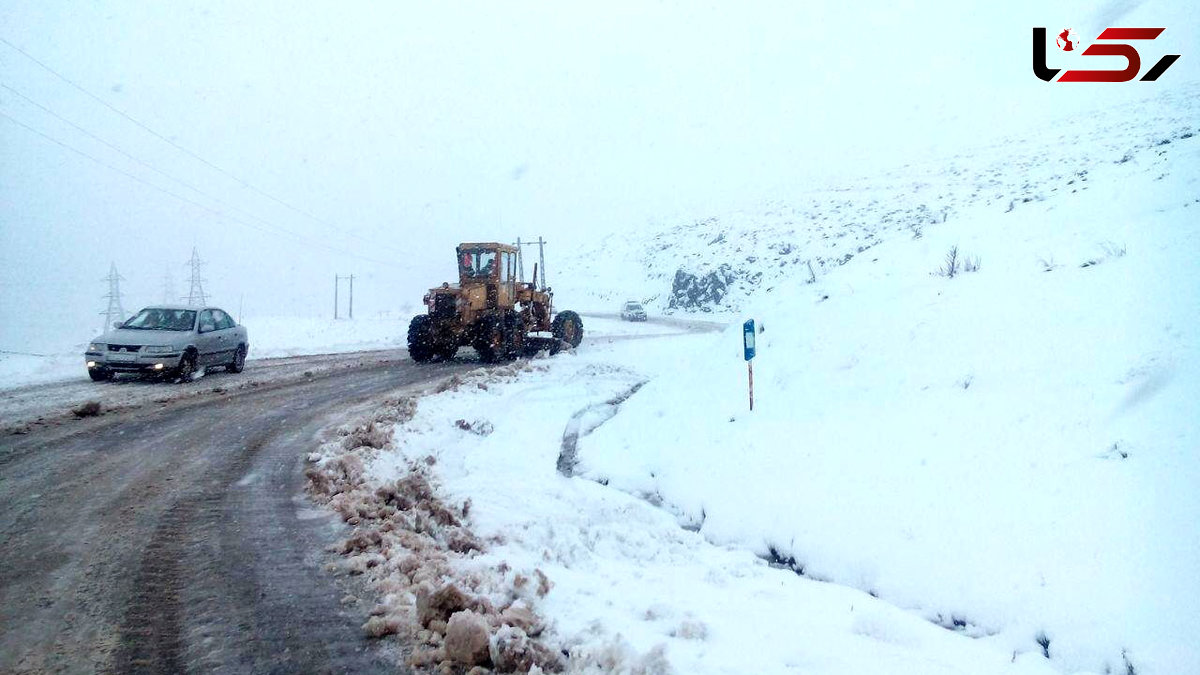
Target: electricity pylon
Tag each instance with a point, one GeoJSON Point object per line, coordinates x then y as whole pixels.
{"type": "Point", "coordinates": [196, 294]}
{"type": "Point", "coordinates": [115, 312]}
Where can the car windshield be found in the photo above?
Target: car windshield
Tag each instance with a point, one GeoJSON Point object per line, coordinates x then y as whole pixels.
{"type": "Point", "coordinates": [476, 263]}
{"type": "Point", "coordinates": [633, 307]}
{"type": "Point", "coordinates": [155, 318]}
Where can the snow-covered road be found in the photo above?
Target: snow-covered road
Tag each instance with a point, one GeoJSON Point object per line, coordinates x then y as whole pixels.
{"type": "Point", "coordinates": [176, 539]}
{"type": "Point", "coordinates": [171, 533]}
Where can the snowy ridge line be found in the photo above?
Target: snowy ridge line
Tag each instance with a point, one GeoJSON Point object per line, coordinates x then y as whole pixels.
{"type": "Point", "coordinates": [722, 262]}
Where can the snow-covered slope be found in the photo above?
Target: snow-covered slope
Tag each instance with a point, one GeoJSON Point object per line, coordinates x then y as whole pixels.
{"type": "Point", "coordinates": [736, 256]}
{"type": "Point", "coordinates": [1013, 452]}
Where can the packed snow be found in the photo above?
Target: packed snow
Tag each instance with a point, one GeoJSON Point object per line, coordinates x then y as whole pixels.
{"type": "Point", "coordinates": [1009, 452]}
{"type": "Point", "coordinates": [631, 591]}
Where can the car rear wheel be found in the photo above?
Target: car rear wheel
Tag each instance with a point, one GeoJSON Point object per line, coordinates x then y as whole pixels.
{"type": "Point", "coordinates": [239, 360]}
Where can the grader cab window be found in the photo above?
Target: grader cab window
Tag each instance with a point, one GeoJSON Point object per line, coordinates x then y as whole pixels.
{"type": "Point", "coordinates": [476, 263]}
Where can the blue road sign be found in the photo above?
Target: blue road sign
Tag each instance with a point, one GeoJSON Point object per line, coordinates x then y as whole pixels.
{"type": "Point", "coordinates": [748, 338]}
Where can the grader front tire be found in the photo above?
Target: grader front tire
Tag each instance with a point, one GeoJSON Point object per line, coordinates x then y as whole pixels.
{"type": "Point", "coordinates": [421, 347]}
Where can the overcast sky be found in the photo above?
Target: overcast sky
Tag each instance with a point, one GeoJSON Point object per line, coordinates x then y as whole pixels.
{"type": "Point", "coordinates": [323, 138]}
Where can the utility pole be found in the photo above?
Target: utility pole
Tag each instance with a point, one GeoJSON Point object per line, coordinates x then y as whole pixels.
{"type": "Point", "coordinates": [196, 295]}
{"type": "Point", "coordinates": [542, 260]}
{"type": "Point", "coordinates": [520, 261]}
{"type": "Point", "coordinates": [540, 270]}
{"type": "Point", "coordinates": [114, 312]}
{"type": "Point", "coordinates": [337, 279]}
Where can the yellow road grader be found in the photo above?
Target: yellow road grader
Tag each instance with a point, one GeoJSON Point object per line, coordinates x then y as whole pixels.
{"type": "Point", "coordinates": [492, 310]}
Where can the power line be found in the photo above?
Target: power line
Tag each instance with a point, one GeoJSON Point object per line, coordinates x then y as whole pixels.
{"type": "Point", "coordinates": [181, 198]}
{"type": "Point", "coordinates": [185, 184]}
{"type": "Point", "coordinates": [182, 149]}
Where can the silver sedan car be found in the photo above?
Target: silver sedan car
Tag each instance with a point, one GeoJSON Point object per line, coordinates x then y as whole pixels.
{"type": "Point", "coordinates": [169, 340]}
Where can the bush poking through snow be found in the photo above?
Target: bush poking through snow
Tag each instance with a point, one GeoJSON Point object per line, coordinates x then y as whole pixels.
{"type": "Point", "coordinates": [1110, 250]}
{"type": "Point", "coordinates": [955, 264]}
{"type": "Point", "coordinates": [89, 409]}
{"type": "Point", "coordinates": [1043, 641]}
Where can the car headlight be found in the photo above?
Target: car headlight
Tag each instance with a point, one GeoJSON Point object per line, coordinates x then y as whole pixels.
{"type": "Point", "coordinates": [160, 349]}
{"type": "Point", "coordinates": [96, 347]}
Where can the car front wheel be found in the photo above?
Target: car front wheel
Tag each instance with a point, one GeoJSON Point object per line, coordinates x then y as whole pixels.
{"type": "Point", "coordinates": [187, 367]}
{"type": "Point", "coordinates": [100, 374]}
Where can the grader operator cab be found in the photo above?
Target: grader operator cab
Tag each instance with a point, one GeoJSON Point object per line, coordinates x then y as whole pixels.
{"type": "Point", "coordinates": [492, 310]}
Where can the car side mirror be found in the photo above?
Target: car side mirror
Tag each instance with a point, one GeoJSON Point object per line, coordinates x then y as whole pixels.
{"type": "Point", "coordinates": [118, 324]}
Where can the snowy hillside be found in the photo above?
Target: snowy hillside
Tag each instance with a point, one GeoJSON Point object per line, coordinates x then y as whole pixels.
{"type": "Point", "coordinates": [719, 263]}
{"type": "Point", "coordinates": [1012, 452]}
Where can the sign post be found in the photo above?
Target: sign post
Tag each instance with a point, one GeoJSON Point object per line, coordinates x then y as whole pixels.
{"type": "Point", "coordinates": [748, 348]}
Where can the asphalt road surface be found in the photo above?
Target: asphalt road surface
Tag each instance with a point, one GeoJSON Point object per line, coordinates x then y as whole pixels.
{"type": "Point", "coordinates": [179, 538]}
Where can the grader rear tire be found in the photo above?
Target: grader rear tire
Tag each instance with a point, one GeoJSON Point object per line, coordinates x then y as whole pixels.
{"type": "Point", "coordinates": [568, 327]}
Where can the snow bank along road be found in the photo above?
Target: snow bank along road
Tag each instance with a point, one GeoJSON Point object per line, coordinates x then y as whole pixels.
{"type": "Point", "coordinates": [173, 534]}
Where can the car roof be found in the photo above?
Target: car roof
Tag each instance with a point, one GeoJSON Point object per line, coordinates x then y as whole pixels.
{"type": "Point", "coordinates": [191, 307]}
